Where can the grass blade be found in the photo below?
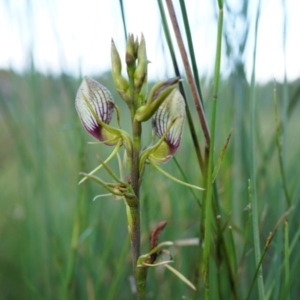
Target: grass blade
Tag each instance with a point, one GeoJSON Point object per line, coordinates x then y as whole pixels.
{"type": "Point", "coordinates": [255, 216]}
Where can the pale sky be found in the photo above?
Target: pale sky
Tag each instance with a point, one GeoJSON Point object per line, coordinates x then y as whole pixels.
{"type": "Point", "coordinates": [74, 36]}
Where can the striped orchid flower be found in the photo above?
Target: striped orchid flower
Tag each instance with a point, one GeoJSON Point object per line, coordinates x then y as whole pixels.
{"type": "Point", "coordinates": [95, 107]}
{"type": "Point", "coordinates": [167, 124]}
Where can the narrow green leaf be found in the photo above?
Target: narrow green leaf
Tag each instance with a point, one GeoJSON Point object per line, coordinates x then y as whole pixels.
{"type": "Point", "coordinates": [279, 149]}
{"type": "Point", "coordinates": [180, 276]}
{"type": "Point", "coordinates": [173, 178]}
{"type": "Point", "coordinates": [221, 157]}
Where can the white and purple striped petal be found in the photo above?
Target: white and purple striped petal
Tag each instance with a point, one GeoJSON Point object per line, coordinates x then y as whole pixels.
{"type": "Point", "coordinates": [94, 101]}
{"type": "Point", "coordinates": [171, 110]}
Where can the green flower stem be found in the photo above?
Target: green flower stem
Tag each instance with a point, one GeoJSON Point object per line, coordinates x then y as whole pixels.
{"type": "Point", "coordinates": [208, 200]}
{"type": "Point", "coordinates": [140, 273]}
{"type": "Point", "coordinates": [141, 276]}
{"type": "Point", "coordinates": [135, 173]}
{"type": "Point", "coordinates": [134, 227]}
{"type": "Point", "coordinates": [134, 204]}
{"type": "Point", "coordinates": [135, 176]}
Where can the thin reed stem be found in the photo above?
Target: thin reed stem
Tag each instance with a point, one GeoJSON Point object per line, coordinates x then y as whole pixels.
{"type": "Point", "coordinates": [191, 125]}
{"type": "Point", "coordinates": [189, 74]}
{"type": "Point", "coordinates": [191, 47]}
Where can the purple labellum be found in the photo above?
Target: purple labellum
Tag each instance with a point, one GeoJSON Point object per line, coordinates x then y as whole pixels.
{"type": "Point", "coordinates": [94, 102]}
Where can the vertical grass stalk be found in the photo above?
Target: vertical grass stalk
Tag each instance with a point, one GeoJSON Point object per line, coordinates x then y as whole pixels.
{"type": "Point", "coordinates": [77, 225]}
{"type": "Point", "coordinates": [191, 47]}
{"type": "Point", "coordinates": [255, 218]}
{"type": "Point", "coordinates": [123, 18]}
{"type": "Point", "coordinates": [280, 150]}
{"type": "Point", "coordinates": [287, 258]}
{"type": "Point", "coordinates": [189, 74]}
{"type": "Point", "coordinates": [209, 190]}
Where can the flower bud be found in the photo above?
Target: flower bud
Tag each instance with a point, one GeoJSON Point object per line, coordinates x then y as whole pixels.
{"type": "Point", "coordinates": [158, 94]}
{"type": "Point", "coordinates": [131, 51]}
{"type": "Point", "coordinates": [120, 82]}
{"type": "Point", "coordinates": [167, 123]}
{"type": "Point", "coordinates": [140, 74]}
{"type": "Point", "coordinates": [95, 106]}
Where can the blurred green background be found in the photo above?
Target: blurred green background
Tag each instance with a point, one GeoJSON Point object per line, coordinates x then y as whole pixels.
{"type": "Point", "coordinates": [44, 147]}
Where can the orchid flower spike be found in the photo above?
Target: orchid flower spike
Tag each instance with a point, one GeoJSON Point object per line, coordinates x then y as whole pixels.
{"type": "Point", "coordinates": [95, 106]}
{"type": "Point", "coordinates": [167, 124]}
